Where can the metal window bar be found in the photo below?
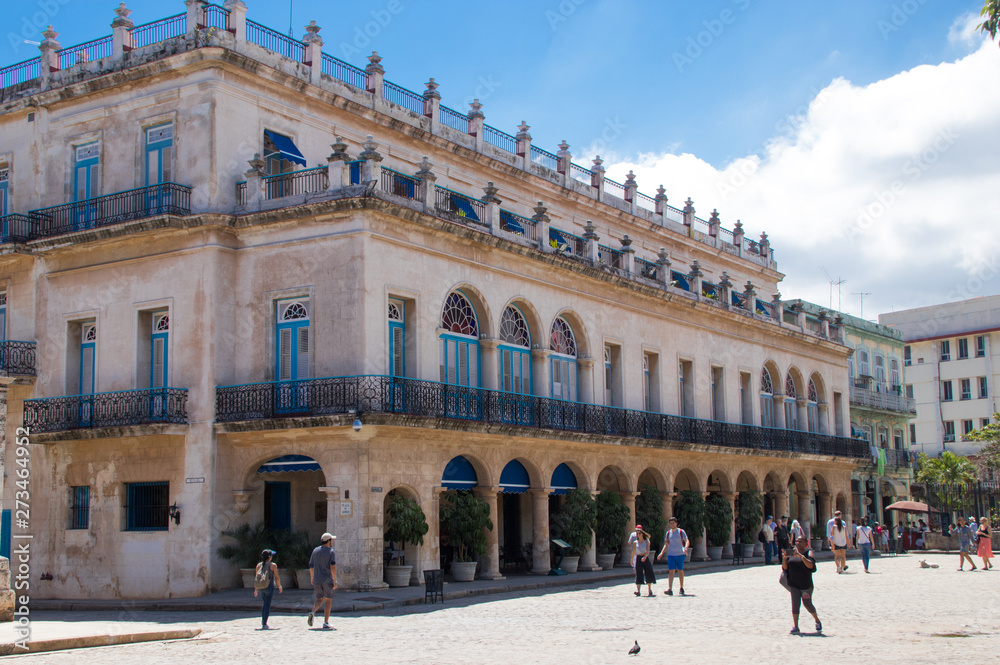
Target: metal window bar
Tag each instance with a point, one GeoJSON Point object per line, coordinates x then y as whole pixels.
{"type": "Point", "coordinates": [112, 409]}
{"type": "Point", "coordinates": [94, 50]}
{"type": "Point", "coordinates": [216, 17]}
{"type": "Point", "coordinates": [79, 515]}
{"type": "Point", "coordinates": [158, 31]}
{"type": "Point", "coordinates": [396, 395]}
{"type": "Point", "coordinates": [611, 257]}
{"type": "Point", "coordinates": [453, 119]}
{"type": "Point", "coordinates": [400, 96]}
{"type": "Point", "coordinates": [163, 199]}
{"type": "Point", "coordinates": [647, 269]}
{"type": "Point", "coordinates": [15, 228]}
{"type": "Point", "coordinates": [147, 506]}
{"type": "Point", "coordinates": [580, 173]}
{"type": "Point", "coordinates": [273, 40]}
{"type": "Point", "coordinates": [499, 139]}
{"type": "Point", "coordinates": [20, 72]}
{"type": "Point", "coordinates": [400, 184]}
{"type": "Point", "coordinates": [614, 188]}
{"type": "Point", "coordinates": [544, 158]}
{"type": "Point", "coordinates": [459, 206]}
{"type": "Point", "coordinates": [518, 225]}
{"type": "Point", "coordinates": [17, 358]}
{"type": "Point", "coordinates": [305, 181]}
{"type": "Point", "coordinates": [241, 193]}
{"type": "Point", "coordinates": [345, 72]}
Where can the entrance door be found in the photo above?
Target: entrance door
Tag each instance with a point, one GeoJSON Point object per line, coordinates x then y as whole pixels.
{"type": "Point", "coordinates": [159, 146]}
{"type": "Point", "coordinates": [278, 506]}
{"type": "Point", "coordinates": [88, 341]}
{"type": "Point", "coordinates": [513, 557]}
{"type": "Point", "coordinates": [86, 185]}
{"type": "Point", "coordinates": [159, 366]}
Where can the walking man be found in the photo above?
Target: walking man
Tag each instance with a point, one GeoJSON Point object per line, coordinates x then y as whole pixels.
{"type": "Point", "coordinates": [782, 538]}
{"type": "Point", "coordinates": [964, 543]}
{"type": "Point", "coordinates": [675, 549]}
{"type": "Point", "coordinates": [768, 530]}
{"type": "Point", "coordinates": [323, 575]}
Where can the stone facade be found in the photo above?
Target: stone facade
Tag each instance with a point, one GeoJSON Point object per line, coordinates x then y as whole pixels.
{"type": "Point", "coordinates": [178, 338]}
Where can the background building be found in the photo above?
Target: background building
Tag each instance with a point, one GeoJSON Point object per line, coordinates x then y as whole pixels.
{"type": "Point", "coordinates": [496, 317]}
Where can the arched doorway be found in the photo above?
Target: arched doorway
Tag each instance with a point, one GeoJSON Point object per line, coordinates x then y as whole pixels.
{"type": "Point", "coordinates": [291, 499]}
{"type": "Point", "coordinates": [515, 518]}
{"type": "Point", "coordinates": [459, 476]}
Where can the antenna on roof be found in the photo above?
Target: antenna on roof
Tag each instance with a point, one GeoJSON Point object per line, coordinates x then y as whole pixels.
{"type": "Point", "coordinates": [838, 282]}
{"type": "Point", "coordinates": [291, 3]}
{"type": "Point", "coordinates": [862, 294]}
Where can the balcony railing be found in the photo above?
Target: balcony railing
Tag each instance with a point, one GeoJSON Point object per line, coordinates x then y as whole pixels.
{"type": "Point", "coordinates": [383, 394]}
{"type": "Point", "coordinates": [273, 40]}
{"type": "Point", "coordinates": [163, 199]}
{"type": "Point", "coordinates": [459, 206]}
{"type": "Point", "coordinates": [501, 140]}
{"type": "Point", "coordinates": [15, 228]}
{"type": "Point", "coordinates": [89, 51]}
{"type": "Point", "coordinates": [17, 358]}
{"type": "Point", "coordinates": [401, 184]}
{"type": "Point", "coordinates": [453, 119]}
{"type": "Point", "coordinates": [400, 96]}
{"type": "Point", "coordinates": [167, 28]}
{"type": "Point", "coordinates": [112, 409]}
{"type": "Point", "coordinates": [20, 72]}
{"type": "Point", "coordinates": [343, 71]}
{"type": "Point", "coordinates": [306, 181]}
{"type": "Point", "coordinates": [518, 225]}
{"type": "Point", "coordinates": [885, 401]}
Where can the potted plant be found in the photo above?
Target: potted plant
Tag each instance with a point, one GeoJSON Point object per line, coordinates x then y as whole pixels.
{"type": "Point", "coordinates": [574, 523]}
{"type": "Point", "coordinates": [718, 520]}
{"type": "Point", "coordinates": [298, 551]}
{"type": "Point", "coordinates": [404, 524]}
{"type": "Point", "coordinates": [610, 526]}
{"type": "Point", "coordinates": [465, 518]}
{"type": "Point", "coordinates": [689, 509]}
{"type": "Point", "coordinates": [245, 552]}
{"type": "Point", "coordinates": [649, 513]}
{"type": "Point", "coordinates": [749, 519]}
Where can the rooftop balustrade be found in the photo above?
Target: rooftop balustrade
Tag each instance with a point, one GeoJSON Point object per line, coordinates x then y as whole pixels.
{"type": "Point", "coordinates": [111, 409]}
{"type": "Point", "coordinates": [430, 399]}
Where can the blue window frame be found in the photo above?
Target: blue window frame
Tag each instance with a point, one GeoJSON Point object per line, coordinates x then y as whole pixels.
{"type": "Point", "coordinates": [146, 507]}
{"type": "Point", "coordinates": [397, 338]}
{"type": "Point", "coordinates": [514, 374]}
{"type": "Point", "coordinates": [354, 172]}
{"type": "Point", "coordinates": [159, 151]}
{"type": "Point", "coordinates": [563, 381]}
{"type": "Point", "coordinates": [766, 399]}
{"type": "Point", "coordinates": [88, 352]}
{"type": "Point", "coordinates": [159, 350]}
{"type": "Point", "coordinates": [459, 344]}
{"type": "Point", "coordinates": [86, 183]}
{"type": "Point", "coordinates": [3, 315]}
{"type": "Point", "coordinates": [4, 180]}
{"type": "Point", "coordinates": [79, 507]}
{"type": "Point", "coordinates": [609, 390]}
{"type": "Point", "coordinates": [292, 356]}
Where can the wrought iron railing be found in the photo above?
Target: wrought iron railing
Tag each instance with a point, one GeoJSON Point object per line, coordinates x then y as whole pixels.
{"type": "Point", "coordinates": [112, 409]}
{"type": "Point", "coordinates": [15, 228]}
{"type": "Point", "coordinates": [459, 206]}
{"type": "Point", "coordinates": [272, 40]}
{"type": "Point", "coordinates": [680, 280]}
{"type": "Point", "coordinates": [646, 202]}
{"type": "Point", "coordinates": [614, 188]}
{"type": "Point", "coordinates": [158, 31]}
{"type": "Point", "coordinates": [580, 173]}
{"type": "Point", "coordinates": [710, 290]}
{"type": "Point", "coordinates": [400, 96]}
{"type": "Point", "coordinates": [163, 199]}
{"type": "Point", "coordinates": [400, 184]}
{"type": "Point", "coordinates": [765, 308]}
{"type": "Point", "coordinates": [611, 257]}
{"type": "Point", "coordinates": [738, 299]}
{"type": "Point", "coordinates": [453, 119]}
{"type": "Point", "coordinates": [384, 394]}
{"type": "Point", "coordinates": [20, 72]}
{"type": "Point", "coordinates": [241, 193]}
{"type": "Point", "coordinates": [343, 71]}
{"type": "Point", "coordinates": [874, 399]}
{"type": "Point", "coordinates": [673, 214]}
{"type": "Point", "coordinates": [17, 358]}
{"type": "Point", "coordinates": [567, 242]}
{"type": "Point", "coordinates": [544, 158]}
{"type": "Point", "coordinates": [499, 139]}
{"type": "Point", "coordinates": [215, 17]}
{"type": "Point", "coordinates": [647, 269]}
{"type": "Point", "coordinates": [306, 181]}
{"type": "Point", "coordinates": [518, 225]}
{"type": "Point", "coordinates": [92, 50]}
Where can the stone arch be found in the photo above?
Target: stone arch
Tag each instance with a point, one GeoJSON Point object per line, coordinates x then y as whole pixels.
{"type": "Point", "coordinates": [484, 475]}
{"type": "Point", "coordinates": [476, 298]}
{"type": "Point", "coordinates": [613, 477]}
{"type": "Point", "coordinates": [686, 479]}
{"type": "Point", "coordinates": [747, 481]}
{"type": "Point", "coordinates": [774, 482]}
{"type": "Point", "coordinates": [535, 476]}
{"type": "Point", "coordinates": [584, 480]}
{"type": "Point", "coordinates": [583, 346]}
{"type": "Point", "coordinates": [777, 376]}
{"type": "Point", "coordinates": [796, 375]}
{"type": "Point", "coordinates": [821, 390]}
{"type": "Point", "coordinates": [653, 477]}
{"type": "Point", "coordinates": [539, 335]}
{"type": "Point", "coordinates": [718, 481]}
{"type": "Point", "coordinates": [251, 480]}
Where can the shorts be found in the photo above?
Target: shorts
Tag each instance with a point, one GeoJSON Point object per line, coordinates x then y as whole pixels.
{"type": "Point", "coordinates": [838, 548]}
{"type": "Point", "coordinates": [675, 561]}
{"type": "Point", "coordinates": [322, 590]}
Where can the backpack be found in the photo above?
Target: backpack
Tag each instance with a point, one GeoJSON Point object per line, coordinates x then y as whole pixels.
{"type": "Point", "coordinates": [760, 537]}
{"type": "Point", "coordinates": [262, 576]}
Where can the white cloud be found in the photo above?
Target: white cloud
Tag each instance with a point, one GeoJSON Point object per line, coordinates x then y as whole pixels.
{"type": "Point", "coordinates": [963, 31]}
{"type": "Point", "coordinates": [894, 186]}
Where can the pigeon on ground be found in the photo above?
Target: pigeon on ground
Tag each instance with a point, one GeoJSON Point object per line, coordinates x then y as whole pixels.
{"type": "Point", "coordinates": [635, 649]}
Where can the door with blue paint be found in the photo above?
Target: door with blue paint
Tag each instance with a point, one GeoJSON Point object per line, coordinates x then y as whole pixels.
{"type": "Point", "coordinates": [278, 505]}
{"type": "Point", "coordinates": [159, 366]}
{"type": "Point", "coordinates": [159, 151]}
{"type": "Point", "coordinates": [395, 314]}
{"type": "Point", "coordinates": [5, 231]}
{"type": "Point", "coordinates": [86, 185]}
{"type": "Point", "coordinates": [5, 534]}
{"type": "Point", "coordinates": [292, 357]}
{"type": "Point", "coordinates": [88, 350]}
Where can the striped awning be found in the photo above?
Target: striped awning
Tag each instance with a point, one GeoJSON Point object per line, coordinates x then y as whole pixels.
{"type": "Point", "coordinates": [288, 463]}
{"type": "Point", "coordinates": [459, 475]}
{"type": "Point", "coordinates": [286, 147]}
{"type": "Point", "coordinates": [563, 480]}
{"type": "Point", "coordinates": [514, 478]}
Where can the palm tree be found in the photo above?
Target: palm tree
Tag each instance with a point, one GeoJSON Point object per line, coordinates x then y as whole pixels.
{"type": "Point", "coordinates": [948, 469]}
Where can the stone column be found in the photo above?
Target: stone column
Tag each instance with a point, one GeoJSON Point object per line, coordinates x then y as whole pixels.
{"type": "Point", "coordinates": [824, 323]}
{"type": "Point", "coordinates": [805, 509]}
{"type": "Point", "coordinates": [765, 247]}
{"type": "Point", "coordinates": [725, 288]}
{"type": "Point", "coordinates": [523, 147]}
{"type": "Point", "coordinates": [713, 225]}
{"type": "Point", "coordinates": [375, 73]}
{"type": "Point", "coordinates": [597, 178]}
{"type": "Point", "coordinates": [490, 358]}
{"type": "Point", "coordinates": [255, 183]}
{"type": "Point", "coordinates": [337, 176]}
{"type": "Point", "coordinates": [313, 54]}
{"type": "Point", "coordinates": [563, 165]}
{"type": "Point", "coordinates": [542, 228]}
{"type": "Point", "coordinates": [631, 187]}
{"type": "Point", "coordinates": [540, 564]}
{"type": "Point", "coordinates": [750, 298]}
{"type": "Point", "coordinates": [476, 118]}
{"type": "Point", "coordinates": [629, 499]}
{"type": "Point", "coordinates": [823, 512]}
{"type": "Point", "coordinates": [237, 19]}
{"type": "Point", "coordinates": [489, 564]}
{"type": "Point", "coordinates": [427, 180]}
{"type": "Point", "coordinates": [661, 202]}
{"type": "Point", "coordinates": [781, 503]}
{"type": "Point", "coordinates": [492, 202]}
{"type": "Point", "coordinates": [121, 32]}
{"type": "Point", "coordinates": [371, 169]}
{"type": "Point", "coordinates": [779, 405]}
{"type": "Point", "coordinates": [689, 214]}
{"type": "Point", "coordinates": [540, 371]}
{"type": "Point", "coordinates": [585, 371]}
{"type": "Point", "coordinates": [738, 237]}
{"type": "Point", "coordinates": [432, 104]}
{"type": "Point", "coordinates": [777, 309]}
{"type": "Point", "coordinates": [667, 498]}
{"type": "Point", "coordinates": [592, 239]}
{"type": "Point", "coordinates": [802, 413]}
{"type": "Point", "coordinates": [663, 271]}
{"type": "Point", "coordinates": [696, 275]}
{"type": "Point", "coordinates": [49, 49]}
{"type": "Point", "coordinates": [731, 498]}
{"type": "Point", "coordinates": [195, 15]}
{"type": "Point", "coordinates": [700, 550]}
{"type": "Point", "coordinates": [431, 559]}
{"type": "Point", "coordinates": [589, 559]}
{"type": "Point", "coordinates": [628, 255]}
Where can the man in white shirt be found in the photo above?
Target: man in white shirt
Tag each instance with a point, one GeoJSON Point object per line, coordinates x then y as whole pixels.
{"type": "Point", "coordinates": [768, 530]}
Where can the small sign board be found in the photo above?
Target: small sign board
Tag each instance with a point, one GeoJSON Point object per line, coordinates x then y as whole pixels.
{"type": "Point", "coordinates": [346, 508]}
{"type": "Point", "coordinates": [376, 489]}
{"type": "Point", "coordinates": [559, 543]}
{"type": "Point", "coordinates": [194, 480]}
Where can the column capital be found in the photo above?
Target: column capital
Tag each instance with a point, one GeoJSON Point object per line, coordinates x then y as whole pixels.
{"type": "Point", "coordinates": [538, 492]}
{"type": "Point", "coordinates": [489, 343]}
{"type": "Point", "coordinates": [540, 353]}
{"type": "Point", "coordinates": [481, 491]}
{"type": "Point", "coordinates": [729, 496]}
{"type": "Point", "coordinates": [332, 493]}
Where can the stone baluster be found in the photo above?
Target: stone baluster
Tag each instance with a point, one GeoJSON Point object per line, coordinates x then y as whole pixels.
{"type": "Point", "coordinates": [492, 207]}
{"type": "Point", "coordinates": [523, 146]}
{"type": "Point", "coordinates": [591, 239]}
{"type": "Point", "coordinates": [824, 323]}
{"type": "Point", "coordinates": [376, 74]}
{"type": "Point", "coordinates": [542, 227]}
{"type": "Point", "coordinates": [631, 188]}
{"type": "Point", "coordinates": [336, 164]}
{"type": "Point", "coordinates": [765, 248]}
{"type": "Point", "coordinates": [661, 203]}
{"type": "Point", "coordinates": [597, 178]}
{"type": "Point", "coordinates": [255, 183]}
{"type": "Point", "coordinates": [563, 164]}
{"type": "Point", "coordinates": [427, 186]}
{"type": "Point", "coordinates": [371, 169]}
{"type": "Point", "coordinates": [313, 53]}
{"type": "Point", "coordinates": [49, 49]}
{"type": "Point", "coordinates": [628, 255]}
{"type": "Point", "coordinates": [237, 19]}
{"type": "Point", "coordinates": [432, 102]}
{"type": "Point", "coordinates": [121, 32]}
{"type": "Point", "coordinates": [195, 15]}
{"type": "Point", "coordinates": [738, 237]}
{"type": "Point", "coordinates": [663, 269]}
{"type": "Point", "coordinates": [476, 118]}
{"type": "Point", "coordinates": [750, 298]}
{"type": "Point", "coordinates": [713, 225]}
{"type": "Point", "coordinates": [696, 275]}
{"type": "Point", "coordinates": [725, 287]}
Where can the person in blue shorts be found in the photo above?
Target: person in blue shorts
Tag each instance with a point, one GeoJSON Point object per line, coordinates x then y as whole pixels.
{"type": "Point", "coordinates": [675, 546]}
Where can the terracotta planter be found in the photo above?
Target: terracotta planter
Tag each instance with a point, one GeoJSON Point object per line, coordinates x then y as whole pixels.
{"type": "Point", "coordinates": [247, 574]}
{"type": "Point", "coordinates": [606, 561]}
{"type": "Point", "coordinates": [287, 578]}
{"type": "Point", "coordinates": [571, 563]}
{"type": "Point", "coordinates": [714, 553]}
{"type": "Point", "coordinates": [398, 576]}
{"type": "Point", "coordinates": [816, 545]}
{"type": "Point", "coordinates": [302, 579]}
{"type": "Point", "coordinates": [463, 571]}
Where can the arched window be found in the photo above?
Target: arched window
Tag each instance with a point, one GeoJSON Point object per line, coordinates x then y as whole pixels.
{"type": "Point", "coordinates": [515, 352]}
{"type": "Point", "coordinates": [460, 342]}
{"type": "Point", "coordinates": [562, 343]}
{"type": "Point", "coordinates": [880, 373]}
{"type": "Point", "coordinates": [791, 406]}
{"type": "Point", "coordinates": [812, 407]}
{"type": "Point", "coordinates": [766, 399]}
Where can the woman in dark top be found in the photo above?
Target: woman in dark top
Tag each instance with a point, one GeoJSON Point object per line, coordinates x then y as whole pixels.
{"type": "Point", "coordinates": [799, 565]}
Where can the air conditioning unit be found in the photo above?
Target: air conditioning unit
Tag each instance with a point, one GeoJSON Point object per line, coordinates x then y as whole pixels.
{"type": "Point", "coordinates": [949, 438]}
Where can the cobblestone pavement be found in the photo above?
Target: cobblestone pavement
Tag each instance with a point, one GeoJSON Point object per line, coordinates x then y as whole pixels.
{"type": "Point", "coordinates": [898, 614]}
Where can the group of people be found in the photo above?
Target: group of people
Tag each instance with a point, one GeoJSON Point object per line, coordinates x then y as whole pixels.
{"type": "Point", "coordinates": [675, 549]}
{"type": "Point", "coordinates": [322, 576]}
{"type": "Point", "coordinates": [778, 537]}
{"type": "Point", "coordinates": [974, 538]}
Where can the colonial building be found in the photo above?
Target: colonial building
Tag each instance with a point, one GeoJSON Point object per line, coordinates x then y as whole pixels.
{"type": "Point", "coordinates": [880, 411]}
{"type": "Point", "coordinates": [952, 361]}
{"type": "Point", "coordinates": [395, 297]}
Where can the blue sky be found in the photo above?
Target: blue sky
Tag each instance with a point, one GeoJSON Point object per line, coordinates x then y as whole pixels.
{"type": "Point", "coordinates": [684, 93]}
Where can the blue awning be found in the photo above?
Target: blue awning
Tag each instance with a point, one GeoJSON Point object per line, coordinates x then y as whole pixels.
{"type": "Point", "coordinates": [514, 478]}
{"type": "Point", "coordinates": [681, 280]}
{"type": "Point", "coordinates": [459, 475]}
{"type": "Point", "coordinates": [558, 237]}
{"type": "Point", "coordinates": [464, 208]}
{"type": "Point", "coordinates": [762, 309]}
{"type": "Point", "coordinates": [563, 480]}
{"type": "Point", "coordinates": [287, 463]}
{"type": "Point", "coordinates": [286, 147]}
{"type": "Point", "coordinates": [511, 223]}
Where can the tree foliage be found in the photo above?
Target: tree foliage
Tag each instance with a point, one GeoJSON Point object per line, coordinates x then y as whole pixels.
{"type": "Point", "coordinates": [989, 454]}
{"type": "Point", "coordinates": [718, 519]}
{"type": "Point", "coordinates": [990, 14]}
{"type": "Point", "coordinates": [749, 516]}
{"type": "Point", "coordinates": [405, 521]}
{"type": "Point", "coordinates": [948, 469]}
{"type": "Point", "coordinates": [465, 518]}
{"type": "Point", "coordinates": [689, 509]}
{"type": "Point", "coordinates": [649, 513]}
{"type": "Point", "coordinates": [611, 523]}
{"type": "Point", "coordinates": [574, 522]}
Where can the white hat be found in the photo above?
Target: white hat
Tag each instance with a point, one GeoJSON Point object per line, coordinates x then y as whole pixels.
{"type": "Point", "coordinates": [327, 536]}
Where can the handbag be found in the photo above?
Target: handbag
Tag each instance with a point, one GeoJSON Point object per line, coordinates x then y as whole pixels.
{"type": "Point", "coordinates": [783, 580]}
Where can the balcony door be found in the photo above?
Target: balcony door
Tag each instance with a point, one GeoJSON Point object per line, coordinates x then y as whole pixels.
{"type": "Point", "coordinates": [158, 362]}
{"type": "Point", "coordinates": [86, 185]}
{"type": "Point", "coordinates": [292, 356]}
{"type": "Point", "coordinates": [159, 150]}
{"type": "Point", "coordinates": [88, 350]}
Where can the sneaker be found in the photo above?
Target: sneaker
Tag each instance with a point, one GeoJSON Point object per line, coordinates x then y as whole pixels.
{"type": "Point", "coordinates": [309, 619]}
{"type": "Point", "coordinates": [819, 626]}
{"type": "Point", "coordinates": [682, 591]}
{"type": "Point", "coordinates": [327, 626]}
{"type": "Point", "coordinates": [668, 592]}
{"type": "Point", "coordinates": [846, 566]}
{"type": "Point", "coordinates": [637, 593]}
{"type": "Point", "coordinates": [265, 627]}
{"type": "Point", "coordinates": [650, 594]}
{"type": "Point", "coordinates": [794, 631]}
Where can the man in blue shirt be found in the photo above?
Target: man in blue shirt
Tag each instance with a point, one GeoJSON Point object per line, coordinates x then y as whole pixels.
{"type": "Point", "coordinates": [675, 547]}
{"type": "Point", "coordinates": [323, 575]}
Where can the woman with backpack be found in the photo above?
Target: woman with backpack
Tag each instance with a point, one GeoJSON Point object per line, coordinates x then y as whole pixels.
{"type": "Point", "coordinates": [264, 580]}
